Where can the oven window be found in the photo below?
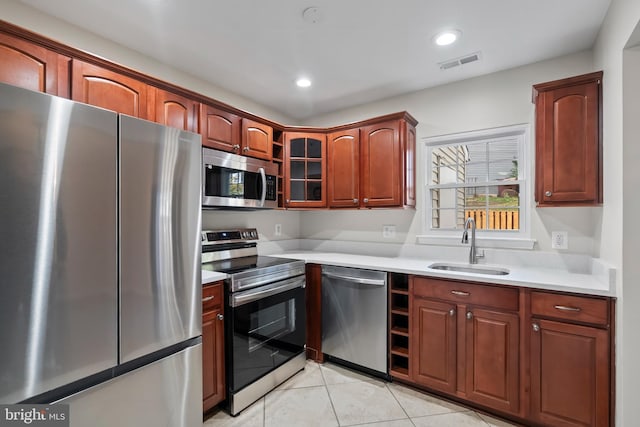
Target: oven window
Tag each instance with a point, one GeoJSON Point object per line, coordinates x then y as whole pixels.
{"type": "Point", "coordinates": [272, 323]}
{"type": "Point", "coordinates": [265, 334]}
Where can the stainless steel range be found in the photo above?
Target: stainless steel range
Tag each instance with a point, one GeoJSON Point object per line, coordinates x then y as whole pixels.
{"type": "Point", "coordinates": [265, 314]}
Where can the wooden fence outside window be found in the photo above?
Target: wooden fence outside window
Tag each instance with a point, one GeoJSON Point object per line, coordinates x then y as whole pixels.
{"type": "Point", "coordinates": [495, 220]}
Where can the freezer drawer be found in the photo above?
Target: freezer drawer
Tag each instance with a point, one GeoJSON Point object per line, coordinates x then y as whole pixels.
{"type": "Point", "coordinates": [165, 393]}
{"type": "Point", "coordinates": [354, 316]}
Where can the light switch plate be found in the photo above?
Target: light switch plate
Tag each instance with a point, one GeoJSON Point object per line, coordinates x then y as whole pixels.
{"type": "Point", "coordinates": [559, 240]}
{"type": "Point", "coordinates": [278, 230]}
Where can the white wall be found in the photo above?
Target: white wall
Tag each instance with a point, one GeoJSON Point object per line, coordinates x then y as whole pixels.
{"type": "Point", "coordinates": [264, 221]}
{"type": "Point", "coordinates": [497, 99]}
{"type": "Point", "coordinates": [53, 28]}
{"type": "Point", "coordinates": [27, 17]}
{"type": "Point", "coordinates": [620, 231]}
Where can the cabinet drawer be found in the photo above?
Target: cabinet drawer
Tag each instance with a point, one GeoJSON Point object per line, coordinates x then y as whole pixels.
{"type": "Point", "coordinates": [466, 293]}
{"type": "Point", "coordinates": [570, 307]}
{"type": "Point", "coordinates": [211, 296]}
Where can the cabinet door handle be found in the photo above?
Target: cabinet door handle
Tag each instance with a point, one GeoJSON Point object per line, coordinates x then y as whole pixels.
{"type": "Point", "coordinates": [461, 293]}
{"type": "Point", "coordinates": [548, 193]}
{"type": "Point", "coordinates": [536, 327]}
{"type": "Point", "coordinates": [236, 147]}
{"type": "Point", "coordinates": [220, 317]}
{"type": "Point", "coordinates": [245, 149]}
{"type": "Point", "coordinates": [469, 315]}
{"type": "Point", "coordinates": [205, 299]}
{"type": "Point", "coordinates": [566, 308]}
{"type": "Point", "coordinates": [355, 201]}
{"type": "Point", "coordinates": [366, 200]}
{"type": "Point", "coordinates": [452, 312]}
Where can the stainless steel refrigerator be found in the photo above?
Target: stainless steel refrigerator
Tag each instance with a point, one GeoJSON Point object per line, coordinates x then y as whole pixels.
{"type": "Point", "coordinates": [99, 263]}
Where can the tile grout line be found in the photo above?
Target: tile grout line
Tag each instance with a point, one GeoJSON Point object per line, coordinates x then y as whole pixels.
{"type": "Point", "coordinates": [326, 387]}
{"type": "Point", "coordinates": [386, 384]}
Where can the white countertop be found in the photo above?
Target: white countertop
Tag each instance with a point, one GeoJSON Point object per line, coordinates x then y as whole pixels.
{"type": "Point", "coordinates": [212, 276]}
{"type": "Point", "coordinates": [532, 277]}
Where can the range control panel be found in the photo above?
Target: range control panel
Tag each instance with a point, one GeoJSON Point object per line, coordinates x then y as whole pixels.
{"type": "Point", "coordinates": [212, 237]}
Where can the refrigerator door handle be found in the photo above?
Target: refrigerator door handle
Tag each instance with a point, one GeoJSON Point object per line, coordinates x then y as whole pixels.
{"type": "Point", "coordinates": [264, 186]}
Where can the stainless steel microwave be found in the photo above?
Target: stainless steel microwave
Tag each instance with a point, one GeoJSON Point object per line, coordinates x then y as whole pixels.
{"type": "Point", "coordinates": [236, 182]}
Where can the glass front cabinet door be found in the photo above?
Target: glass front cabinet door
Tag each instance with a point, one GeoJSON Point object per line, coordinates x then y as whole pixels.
{"type": "Point", "coordinates": [305, 170]}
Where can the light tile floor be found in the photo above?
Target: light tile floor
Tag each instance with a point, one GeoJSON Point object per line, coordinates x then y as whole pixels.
{"type": "Point", "coordinates": [330, 395]}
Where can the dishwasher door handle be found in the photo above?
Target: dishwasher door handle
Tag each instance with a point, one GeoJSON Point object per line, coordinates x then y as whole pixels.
{"type": "Point", "coordinates": [352, 279]}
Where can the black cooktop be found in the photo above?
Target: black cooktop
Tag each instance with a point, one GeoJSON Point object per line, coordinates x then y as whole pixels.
{"type": "Point", "coordinates": [237, 265]}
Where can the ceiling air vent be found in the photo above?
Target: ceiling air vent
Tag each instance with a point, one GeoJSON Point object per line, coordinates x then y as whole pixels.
{"type": "Point", "coordinates": [459, 61]}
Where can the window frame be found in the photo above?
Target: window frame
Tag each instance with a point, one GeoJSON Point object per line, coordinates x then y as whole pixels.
{"type": "Point", "coordinates": [488, 238]}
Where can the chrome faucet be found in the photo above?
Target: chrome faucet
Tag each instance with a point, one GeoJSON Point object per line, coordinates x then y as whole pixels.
{"type": "Point", "coordinates": [473, 256]}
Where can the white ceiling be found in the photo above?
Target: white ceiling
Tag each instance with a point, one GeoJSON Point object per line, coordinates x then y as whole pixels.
{"type": "Point", "coordinates": [360, 51]}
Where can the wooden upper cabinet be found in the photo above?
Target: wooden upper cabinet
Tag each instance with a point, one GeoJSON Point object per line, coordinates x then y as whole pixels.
{"type": "Point", "coordinates": [257, 139]}
{"type": "Point", "coordinates": [381, 165]}
{"type": "Point", "coordinates": [219, 129]}
{"type": "Point", "coordinates": [98, 86]}
{"type": "Point", "coordinates": [388, 159]}
{"type": "Point", "coordinates": [408, 138]}
{"type": "Point", "coordinates": [33, 67]}
{"type": "Point", "coordinates": [305, 185]}
{"type": "Point", "coordinates": [174, 110]}
{"type": "Point", "coordinates": [343, 169]}
{"type": "Point", "coordinates": [568, 143]}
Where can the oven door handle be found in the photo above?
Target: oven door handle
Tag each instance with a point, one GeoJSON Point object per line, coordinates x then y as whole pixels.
{"type": "Point", "coordinates": [252, 295]}
{"type": "Point", "coordinates": [264, 186]}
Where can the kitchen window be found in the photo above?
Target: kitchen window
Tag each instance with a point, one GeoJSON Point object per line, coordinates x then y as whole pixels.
{"type": "Point", "coordinates": [482, 175]}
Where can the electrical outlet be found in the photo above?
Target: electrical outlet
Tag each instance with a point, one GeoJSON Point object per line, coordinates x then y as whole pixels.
{"type": "Point", "coordinates": [278, 230]}
{"type": "Point", "coordinates": [559, 240]}
{"type": "Point", "coordinates": [389, 231]}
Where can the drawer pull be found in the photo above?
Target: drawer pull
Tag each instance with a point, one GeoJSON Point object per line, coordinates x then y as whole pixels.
{"type": "Point", "coordinates": [566, 308]}
{"type": "Point", "coordinates": [461, 293]}
{"type": "Point", "coordinates": [452, 312]}
{"type": "Point", "coordinates": [536, 327]}
{"type": "Point", "coordinates": [469, 315]}
{"type": "Point", "coordinates": [205, 299]}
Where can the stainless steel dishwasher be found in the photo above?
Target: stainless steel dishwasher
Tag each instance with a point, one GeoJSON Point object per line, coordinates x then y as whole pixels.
{"type": "Point", "coordinates": [354, 317]}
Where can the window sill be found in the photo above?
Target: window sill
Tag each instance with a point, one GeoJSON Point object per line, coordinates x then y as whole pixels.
{"type": "Point", "coordinates": [484, 242]}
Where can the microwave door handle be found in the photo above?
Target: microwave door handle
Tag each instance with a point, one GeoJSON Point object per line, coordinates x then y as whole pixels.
{"type": "Point", "coordinates": [264, 186]}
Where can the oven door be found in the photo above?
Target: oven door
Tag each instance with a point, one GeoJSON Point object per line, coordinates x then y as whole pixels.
{"type": "Point", "coordinates": [266, 329]}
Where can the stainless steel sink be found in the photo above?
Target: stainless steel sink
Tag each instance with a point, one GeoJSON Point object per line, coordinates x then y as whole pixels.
{"type": "Point", "coordinates": [470, 268]}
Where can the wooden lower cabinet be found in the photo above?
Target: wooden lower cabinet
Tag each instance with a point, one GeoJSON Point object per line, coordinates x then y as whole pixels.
{"type": "Point", "coordinates": [433, 338]}
{"type": "Point", "coordinates": [543, 358]}
{"type": "Point", "coordinates": [492, 359]}
{"type": "Point", "coordinates": [213, 380]}
{"type": "Point", "coordinates": [571, 359]}
{"type": "Point", "coordinates": [314, 312]}
{"type": "Point", "coordinates": [468, 352]}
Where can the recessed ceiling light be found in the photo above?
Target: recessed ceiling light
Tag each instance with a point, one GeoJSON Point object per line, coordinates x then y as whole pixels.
{"type": "Point", "coordinates": [303, 82]}
{"type": "Point", "coordinates": [446, 37]}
